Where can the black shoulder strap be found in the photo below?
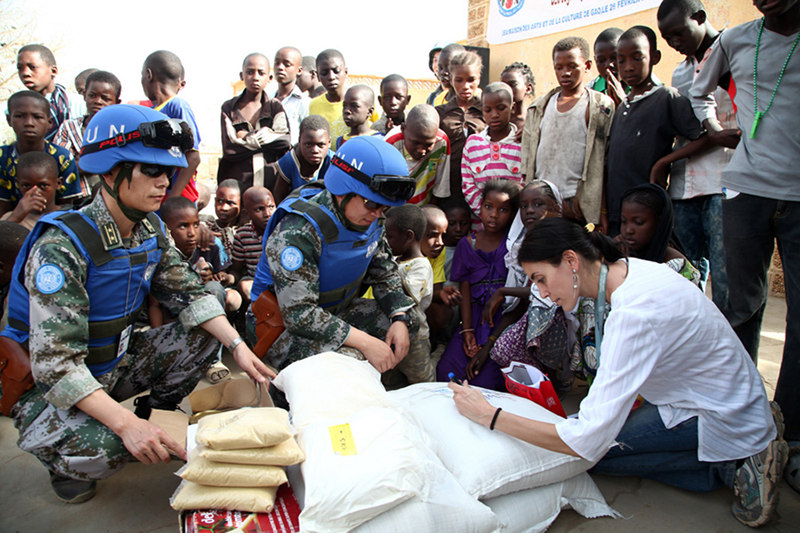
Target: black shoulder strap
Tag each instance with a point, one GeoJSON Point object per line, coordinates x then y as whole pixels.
{"type": "Point", "coordinates": [163, 243]}
{"type": "Point", "coordinates": [88, 236]}
{"type": "Point", "coordinates": [301, 204]}
{"type": "Point", "coordinates": [328, 227]}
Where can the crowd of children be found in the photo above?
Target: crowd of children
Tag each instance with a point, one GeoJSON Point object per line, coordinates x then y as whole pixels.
{"type": "Point", "coordinates": [622, 151]}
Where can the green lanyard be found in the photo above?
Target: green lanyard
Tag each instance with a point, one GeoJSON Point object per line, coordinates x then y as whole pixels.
{"type": "Point", "coordinates": [600, 311]}
{"type": "Point", "coordinates": [760, 114]}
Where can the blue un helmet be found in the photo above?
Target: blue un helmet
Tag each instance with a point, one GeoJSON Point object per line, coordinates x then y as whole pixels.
{"type": "Point", "coordinates": [124, 135]}
{"type": "Point", "coordinates": [372, 169]}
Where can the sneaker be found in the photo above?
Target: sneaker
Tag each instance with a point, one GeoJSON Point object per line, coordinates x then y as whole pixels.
{"type": "Point", "coordinates": [70, 490]}
{"type": "Point", "coordinates": [755, 485]}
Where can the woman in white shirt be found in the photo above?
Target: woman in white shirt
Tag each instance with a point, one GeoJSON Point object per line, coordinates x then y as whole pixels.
{"type": "Point", "coordinates": [706, 420]}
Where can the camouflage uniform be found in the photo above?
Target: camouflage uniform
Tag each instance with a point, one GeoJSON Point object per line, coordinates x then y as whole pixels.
{"type": "Point", "coordinates": [169, 360]}
{"type": "Point", "coordinates": [310, 329]}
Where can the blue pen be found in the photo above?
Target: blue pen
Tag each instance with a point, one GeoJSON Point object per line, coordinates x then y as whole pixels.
{"type": "Point", "coordinates": [452, 377]}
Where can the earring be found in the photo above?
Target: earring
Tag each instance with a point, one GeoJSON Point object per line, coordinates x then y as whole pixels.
{"type": "Point", "coordinates": [574, 280]}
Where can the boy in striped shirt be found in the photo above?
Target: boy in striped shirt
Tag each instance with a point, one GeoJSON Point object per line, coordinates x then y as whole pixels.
{"type": "Point", "coordinates": [260, 205]}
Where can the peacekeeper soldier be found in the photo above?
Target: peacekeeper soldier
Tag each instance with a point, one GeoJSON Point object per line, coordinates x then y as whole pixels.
{"type": "Point", "coordinates": [86, 275]}
{"type": "Point", "coordinates": [323, 245]}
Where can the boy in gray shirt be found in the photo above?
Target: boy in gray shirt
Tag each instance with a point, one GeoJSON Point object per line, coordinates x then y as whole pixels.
{"type": "Point", "coordinates": [762, 186]}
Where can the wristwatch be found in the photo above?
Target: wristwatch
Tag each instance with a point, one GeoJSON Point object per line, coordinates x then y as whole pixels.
{"type": "Point", "coordinates": [234, 343]}
{"type": "Point", "coordinates": [402, 317]}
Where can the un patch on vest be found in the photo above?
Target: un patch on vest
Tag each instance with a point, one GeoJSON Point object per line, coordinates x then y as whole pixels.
{"type": "Point", "coordinates": [291, 258]}
{"type": "Point", "coordinates": [49, 278]}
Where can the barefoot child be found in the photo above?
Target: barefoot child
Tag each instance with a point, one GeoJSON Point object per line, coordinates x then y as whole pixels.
{"type": "Point", "coordinates": [493, 153]}
{"type": "Point", "coordinates": [479, 265]}
{"type": "Point", "coordinates": [427, 152]}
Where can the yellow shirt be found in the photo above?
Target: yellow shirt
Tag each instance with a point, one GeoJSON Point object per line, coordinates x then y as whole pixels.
{"type": "Point", "coordinates": [438, 268]}
{"type": "Point", "coordinates": [332, 111]}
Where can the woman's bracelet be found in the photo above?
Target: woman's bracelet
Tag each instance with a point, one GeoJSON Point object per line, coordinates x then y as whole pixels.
{"type": "Point", "coordinates": [494, 418]}
{"type": "Point", "coordinates": [467, 330]}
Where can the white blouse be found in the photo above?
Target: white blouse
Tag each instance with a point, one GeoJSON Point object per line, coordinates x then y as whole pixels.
{"type": "Point", "coordinates": [664, 339]}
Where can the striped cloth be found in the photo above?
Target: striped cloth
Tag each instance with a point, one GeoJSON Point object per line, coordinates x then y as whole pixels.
{"type": "Point", "coordinates": [484, 160]}
{"type": "Point", "coordinates": [70, 136]}
{"type": "Point", "coordinates": [59, 110]}
{"type": "Point", "coordinates": [432, 172]}
{"type": "Point", "coordinates": [247, 248]}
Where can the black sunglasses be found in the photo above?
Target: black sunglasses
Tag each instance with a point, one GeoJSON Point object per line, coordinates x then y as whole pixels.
{"type": "Point", "coordinates": [374, 206]}
{"type": "Point", "coordinates": [152, 170]}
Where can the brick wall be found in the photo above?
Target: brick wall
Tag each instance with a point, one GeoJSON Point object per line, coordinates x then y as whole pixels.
{"type": "Point", "coordinates": [477, 22]}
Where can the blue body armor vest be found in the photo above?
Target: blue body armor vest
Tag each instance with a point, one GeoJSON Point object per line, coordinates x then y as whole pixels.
{"type": "Point", "coordinates": [290, 170]}
{"type": "Point", "coordinates": [345, 256]}
{"type": "Point", "coordinates": [117, 281]}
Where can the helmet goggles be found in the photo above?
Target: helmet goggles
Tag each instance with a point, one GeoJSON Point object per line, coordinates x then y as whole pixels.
{"type": "Point", "coordinates": [395, 188]}
{"type": "Point", "coordinates": [164, 134]}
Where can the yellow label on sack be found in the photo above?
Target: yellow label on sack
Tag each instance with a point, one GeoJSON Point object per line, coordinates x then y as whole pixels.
{"type": "Point", "coordinates": [342, 440]}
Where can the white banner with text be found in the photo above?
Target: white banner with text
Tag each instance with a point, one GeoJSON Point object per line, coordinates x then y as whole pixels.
{"type": "Point", "coordinates": [515, 20]}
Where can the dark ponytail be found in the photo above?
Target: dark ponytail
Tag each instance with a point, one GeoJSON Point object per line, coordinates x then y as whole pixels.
{"type": "Point", "coordinates": [551, 237]}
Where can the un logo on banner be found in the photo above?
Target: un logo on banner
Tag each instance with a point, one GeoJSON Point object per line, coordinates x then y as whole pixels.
{"type": "Point", "coordinates": [509, 7]}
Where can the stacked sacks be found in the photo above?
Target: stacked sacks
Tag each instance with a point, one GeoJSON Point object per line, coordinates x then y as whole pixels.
{"type": "Point", "coordinates": [240, 461]}
{"type": "Point", "coordinates": [367, 466]}
{"type": "Point", "coordinates": [408, 462]}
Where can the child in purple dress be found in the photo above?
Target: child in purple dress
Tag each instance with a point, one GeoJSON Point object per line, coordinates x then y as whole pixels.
{"type": "Point", "coordinates": [479, 265]}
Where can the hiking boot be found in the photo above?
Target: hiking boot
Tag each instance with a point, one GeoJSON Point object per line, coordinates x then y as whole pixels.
{"type": "Point", "coordinates": [755, 485]}
{"type": "Point", "coordinates": [70, 490]}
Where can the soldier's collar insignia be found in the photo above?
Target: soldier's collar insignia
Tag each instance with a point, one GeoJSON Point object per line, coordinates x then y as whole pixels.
{"type": "Point", "coordinates": [110, 236]}
{"type": "Point", "coordinates": [148, 226]}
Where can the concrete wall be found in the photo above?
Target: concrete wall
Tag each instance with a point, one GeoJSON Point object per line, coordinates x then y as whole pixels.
{"type": "Point", "coordinates": [536, 52]}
